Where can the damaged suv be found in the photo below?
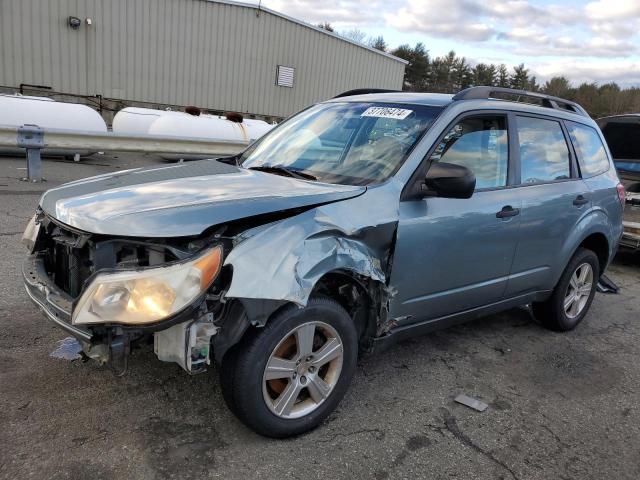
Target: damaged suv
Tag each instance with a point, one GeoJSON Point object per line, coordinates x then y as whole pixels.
{"type": "Point", "coordinates": [360, 221]}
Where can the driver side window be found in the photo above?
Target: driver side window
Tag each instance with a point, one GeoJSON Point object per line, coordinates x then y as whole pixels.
{"type": "Point", "coordinates": [481, 144]}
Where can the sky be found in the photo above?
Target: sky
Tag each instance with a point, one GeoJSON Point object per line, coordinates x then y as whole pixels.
{"type": "Point", "coordinates": [589, 40]}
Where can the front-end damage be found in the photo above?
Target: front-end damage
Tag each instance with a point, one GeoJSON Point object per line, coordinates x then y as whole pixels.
{"type": "Point", "coordinates": [67, 269]}
{"type": "Point", "coordinates": [346, 247]}
{"type": "Point", "coordinates": [342, 249]}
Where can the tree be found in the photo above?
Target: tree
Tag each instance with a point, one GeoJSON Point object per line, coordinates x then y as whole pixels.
{"type": "Point", "coordinates": [378, 43]}
{"type": "Point", "coordinates": [450, 73]}
{"type": "Point", "coordinates": [586, 95]}
{"type": "Point", "coordinates": [558, 87]}
{"type": "Point", "coordinates": [326, 26]}
{"type": "Point", "coordinates": [484, 74]}
{"type": "Point", "coordinates": [355, 35]}
{"type": "Point", "coordinates": [417, 70]}
{"type": "Point", "coordinates": [520, 78]}
{"type": "Point", "coordinates": [503, 76]}
{"type": "Point", "coordinates": [462, 74]}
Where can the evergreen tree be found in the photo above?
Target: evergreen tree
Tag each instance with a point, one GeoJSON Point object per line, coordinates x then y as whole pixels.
{"type": "Point", "coordinates": [378, 43]}
{"type": "Point", "coordinates": [484, 74]}
{"type": "Point", "coordinates": [416, 72]}
{"type": "Point", "coordinates": [520, 78]}
{"type": "Point", "coordinates": [503, 76]}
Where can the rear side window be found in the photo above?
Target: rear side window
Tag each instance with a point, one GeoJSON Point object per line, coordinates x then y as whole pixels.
{"type": "Point", "coordinates": [544, 154]}
{"type": "Point", "coordinates": [480, 144]}
{"type": "Point", "coordinates": [592, 156]}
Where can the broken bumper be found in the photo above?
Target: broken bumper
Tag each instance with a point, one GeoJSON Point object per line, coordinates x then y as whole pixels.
{"type": "Point", "coordinates": [54, 303]}
{"type": "Point", "coordinates": [183, 338]}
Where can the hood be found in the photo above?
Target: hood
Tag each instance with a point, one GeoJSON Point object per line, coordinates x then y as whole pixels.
{"type": "Point", "coordinates": [182, 199]}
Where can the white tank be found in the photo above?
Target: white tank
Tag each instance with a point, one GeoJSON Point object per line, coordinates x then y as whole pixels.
{"type": "Point", "coordinates": [135, 120]}
{"type": "Point", "coordinates": [18, 110]}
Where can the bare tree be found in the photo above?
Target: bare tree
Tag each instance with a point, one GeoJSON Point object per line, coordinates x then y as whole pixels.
{"type": "Point", "coordinates": [355, 35]}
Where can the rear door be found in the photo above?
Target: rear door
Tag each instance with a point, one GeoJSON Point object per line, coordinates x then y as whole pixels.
{"type": "Point", "coordinates": [454, 255]}
{"type": "Point", "coordinates": [554, 198]}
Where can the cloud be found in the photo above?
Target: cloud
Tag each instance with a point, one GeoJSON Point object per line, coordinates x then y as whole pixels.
{"type": "Point", "coordinates": [475, 20]}
{"type": "Point", "coordinates": [593, 30]}
{"type": "Point", "coordinates": [586, 40]}
{"type": "Point", "coordinates": [603, 10]}
{"type": "Point", "coordinates": [342, 14]}
{"type": "Point", "coordinates": [452, 19]}
{"type": "Point", "coordinates": [542, 45]}
{"type": "Point", "coordinates": [623, 72]}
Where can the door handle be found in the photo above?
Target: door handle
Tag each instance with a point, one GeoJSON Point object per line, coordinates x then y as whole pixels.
{"type": "Point", "coordinates": [580, 200]}
{"type": "Point", "coordinates": [508, 211]}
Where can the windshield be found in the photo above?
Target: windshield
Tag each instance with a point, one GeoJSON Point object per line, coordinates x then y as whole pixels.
{"type": "Point", "coordinates": [349, 143]}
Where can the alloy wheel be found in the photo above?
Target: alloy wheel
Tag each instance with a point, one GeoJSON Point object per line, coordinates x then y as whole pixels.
{"type": "Point", "coordinates": [578, 291]}
{"type": "Point", "coordinates": [302, 370]}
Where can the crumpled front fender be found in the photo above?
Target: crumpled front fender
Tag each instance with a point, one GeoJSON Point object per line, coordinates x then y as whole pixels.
{"type": "Point", "coordinates": [284, 260]}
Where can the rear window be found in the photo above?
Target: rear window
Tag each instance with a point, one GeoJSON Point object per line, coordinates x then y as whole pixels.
{"type": "Point", "coordinates": [592, 156]}
{"type": "Point", "coordinates": [544, 155]}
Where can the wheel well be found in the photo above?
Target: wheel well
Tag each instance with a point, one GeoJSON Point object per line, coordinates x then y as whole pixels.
{"type": "Point", "coordinates": [598, 244]}
{"type": "Point", "coordinates": [356, 295]}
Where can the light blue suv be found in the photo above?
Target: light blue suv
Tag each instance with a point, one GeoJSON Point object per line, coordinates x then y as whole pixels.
{"type": "Point", "coordinates": [360, 221]}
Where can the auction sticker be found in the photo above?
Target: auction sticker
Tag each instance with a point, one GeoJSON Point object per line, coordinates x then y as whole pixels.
{"type": "Point", "coordinates": [387, 112]}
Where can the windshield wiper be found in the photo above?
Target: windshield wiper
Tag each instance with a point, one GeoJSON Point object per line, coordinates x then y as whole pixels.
{"type": "Point", "coordinates": [281, 169]}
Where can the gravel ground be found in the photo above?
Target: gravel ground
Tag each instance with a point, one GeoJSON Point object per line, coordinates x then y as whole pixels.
{"type": "Point", "coordinates": [560, 405]}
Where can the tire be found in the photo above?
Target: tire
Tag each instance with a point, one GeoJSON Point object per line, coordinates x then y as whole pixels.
{"type": "Point", "coordinates": [257, 395]}
{"type": "Point", "coordinates": [552, 313]}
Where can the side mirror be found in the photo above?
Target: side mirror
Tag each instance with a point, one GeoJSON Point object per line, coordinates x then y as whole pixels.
{"type": "Point", "coordinates": [450, 181]}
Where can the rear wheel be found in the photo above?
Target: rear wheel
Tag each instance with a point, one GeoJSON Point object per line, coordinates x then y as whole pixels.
{"type": "Point", "coordinates": [573, 294]}
{"type": "Point", "coordinates": [286, 378]}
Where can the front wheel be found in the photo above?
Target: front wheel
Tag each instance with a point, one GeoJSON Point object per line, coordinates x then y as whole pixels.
{"type": "Point", "coordinates": [287, 377]}
{"type": "Point", "coordinates": [572, 296]}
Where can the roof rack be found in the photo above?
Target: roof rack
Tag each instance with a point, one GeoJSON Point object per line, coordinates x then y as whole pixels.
{"type": "Point", "coordinates": [364, 91]}
{"type": "Point", "coordinates": [549, 101]}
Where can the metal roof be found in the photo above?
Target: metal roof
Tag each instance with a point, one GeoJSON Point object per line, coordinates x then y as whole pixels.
{"type": "Point", "coordinates": [259, 8]}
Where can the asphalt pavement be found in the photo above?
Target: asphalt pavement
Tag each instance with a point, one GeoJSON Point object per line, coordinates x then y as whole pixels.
{"type": "Point", "coordinates": [561, 406]}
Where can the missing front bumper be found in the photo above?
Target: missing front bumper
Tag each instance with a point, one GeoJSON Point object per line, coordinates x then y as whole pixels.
{"type": "Point", "coordinates": [53, 302]}
{"type": "Point", "coordinates": [184, 338]}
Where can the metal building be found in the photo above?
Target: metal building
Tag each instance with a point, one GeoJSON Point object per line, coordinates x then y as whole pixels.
{"type": "Point", "coordinates": [218, 55]}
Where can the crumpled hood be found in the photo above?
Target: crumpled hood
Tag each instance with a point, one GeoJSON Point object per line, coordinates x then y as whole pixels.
{"type": "Point", "coordinates": [181, 199]}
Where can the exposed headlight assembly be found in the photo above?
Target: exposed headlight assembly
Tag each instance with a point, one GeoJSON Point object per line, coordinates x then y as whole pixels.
{"type": "Point", "coordinates": [149, 295]}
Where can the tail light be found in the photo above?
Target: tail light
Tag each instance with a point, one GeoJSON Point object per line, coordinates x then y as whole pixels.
{"type": "Point", "coordinates": [621, 193]}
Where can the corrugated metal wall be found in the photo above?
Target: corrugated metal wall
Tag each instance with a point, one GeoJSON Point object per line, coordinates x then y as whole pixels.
{"type": "Point", "coordinates": [183, 52]}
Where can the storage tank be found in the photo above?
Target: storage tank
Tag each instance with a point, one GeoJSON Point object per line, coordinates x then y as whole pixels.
{"type": "Point", "coordinates": [18, 110]}
{"type": "Point", "coordinates": [213, 127]}
{"type": "Point", "coordinates": [134, 120]}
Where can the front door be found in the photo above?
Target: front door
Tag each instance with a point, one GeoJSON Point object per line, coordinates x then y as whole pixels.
{"type": "Point", "coordinates": [454, 255]}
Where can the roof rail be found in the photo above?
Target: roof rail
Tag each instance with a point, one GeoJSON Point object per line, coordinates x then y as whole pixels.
{"type": "Point", "coordinates": [364, 91]}
{"type": "Point", "coordinates": [549, 101]}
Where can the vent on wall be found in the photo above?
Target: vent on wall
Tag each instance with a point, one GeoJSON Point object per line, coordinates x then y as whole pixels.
{"type": "Point", "coordinates": [284, 76]}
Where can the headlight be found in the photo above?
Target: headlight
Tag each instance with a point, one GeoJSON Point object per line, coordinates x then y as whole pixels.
{"type": "Point", "coordinates": [149, 295]}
